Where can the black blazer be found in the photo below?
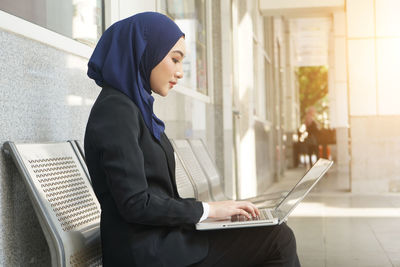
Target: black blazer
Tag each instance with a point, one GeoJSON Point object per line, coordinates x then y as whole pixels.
{"type": "Point", "coordinates": [144, 222]}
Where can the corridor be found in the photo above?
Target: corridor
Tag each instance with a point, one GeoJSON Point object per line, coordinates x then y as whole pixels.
{"type": "Point", "coordinates": [336, 228]}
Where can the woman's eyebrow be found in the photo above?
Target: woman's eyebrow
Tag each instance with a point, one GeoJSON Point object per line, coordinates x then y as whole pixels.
{"type": "Point", "coordinates": [179, 52]}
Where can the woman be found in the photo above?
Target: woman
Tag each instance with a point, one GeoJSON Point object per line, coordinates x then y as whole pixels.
{"type": "Point", "coordinates": [144, 222]}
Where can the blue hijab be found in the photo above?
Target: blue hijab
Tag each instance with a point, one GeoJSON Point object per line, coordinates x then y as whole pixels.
{"type": "Point", "coordinates": [126, 54]}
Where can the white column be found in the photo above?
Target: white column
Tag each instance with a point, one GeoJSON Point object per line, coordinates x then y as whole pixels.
{"type": "Point", "coordinates": [338, 90]}
{"type": "Point", "coordinates": [373, 61]}
{"type": "Point", "coordinates": [388, 56]}
{"type": "Point", "coordinates": [247, 180]}
{"type": "Point", "coordinates": [227, 85]}
{"type": "Point", "coordinates": [361, 57]}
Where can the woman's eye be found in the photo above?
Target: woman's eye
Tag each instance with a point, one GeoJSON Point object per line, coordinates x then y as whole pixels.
{"type": "Point", "coordinates": [175, 60]}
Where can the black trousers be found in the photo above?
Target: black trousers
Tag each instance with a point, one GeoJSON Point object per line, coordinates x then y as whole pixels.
{"type": "Point", "coordinates": [254, 246]}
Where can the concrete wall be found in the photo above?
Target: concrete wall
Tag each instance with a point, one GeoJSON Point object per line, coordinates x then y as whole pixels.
{"type": "Point", "coordinates": [373, 64]}
{"type": "Point", "coordinates": [45, 95]}
{"type": "Point", "coordinates": [375, 148]}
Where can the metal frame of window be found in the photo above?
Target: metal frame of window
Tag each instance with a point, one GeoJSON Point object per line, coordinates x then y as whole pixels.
{"type": "Point", "coordinates": [40, 34]}
{"type": "Point", "coordinates": [266, 121]}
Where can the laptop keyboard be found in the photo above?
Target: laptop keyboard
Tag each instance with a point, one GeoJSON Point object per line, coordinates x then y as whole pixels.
{"type": "Point", "coordinates": [265, 214]}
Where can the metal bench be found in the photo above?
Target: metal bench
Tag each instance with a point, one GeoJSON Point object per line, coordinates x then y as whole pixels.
{"type": "Point", "coordinates": [184, 182]}
{"type": "Point", "coordinates": [194, 153]}
{"type": "Point", "coordinates": [203, 157]}
{"type": "Point", "coordinates": [194, 172]}
{"type": "Point", "coordinates": [59, 187]}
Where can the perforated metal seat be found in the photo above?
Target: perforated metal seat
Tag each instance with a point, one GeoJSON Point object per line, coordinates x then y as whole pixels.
{"type": "Point", "coordinates": [184, 182]}
{"type": "Point", "coordinates": [77, 145]}
{"type": "Point", "coordinates": [190, 163]}
{"type": "Point", "coordinates": [206, 163]}
{"type": "Point", "coordinates": [59, 187]}
{"type": "Point", "coordinates": [203, 157]}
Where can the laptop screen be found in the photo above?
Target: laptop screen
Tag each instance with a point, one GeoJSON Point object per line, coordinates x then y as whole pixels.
{"type": "Point", "coordinates": [302, 188]}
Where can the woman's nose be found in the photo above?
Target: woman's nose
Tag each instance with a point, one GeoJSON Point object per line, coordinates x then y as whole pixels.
{"type": "Point", "coordinates": [179, 74]}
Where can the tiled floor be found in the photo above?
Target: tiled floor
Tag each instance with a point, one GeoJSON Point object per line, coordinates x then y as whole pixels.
{"type": "Point", "coordinates": [337, 228]}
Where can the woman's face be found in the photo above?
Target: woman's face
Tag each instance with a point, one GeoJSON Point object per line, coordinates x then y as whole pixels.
{"type": "Point", "coordinates": [166, 74]}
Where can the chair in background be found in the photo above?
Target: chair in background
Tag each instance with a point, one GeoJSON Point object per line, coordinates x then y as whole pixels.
{"type": "Point", "coordinates": [58, 185]}
{"type": "Point", "coordinates": [193, 168]}
{"type": "Point", "coordinates": [215, 180]}
{"type": "Point", "coordinates": [184, 183]}
{"type": "Point", "coordinates": [208, 167]}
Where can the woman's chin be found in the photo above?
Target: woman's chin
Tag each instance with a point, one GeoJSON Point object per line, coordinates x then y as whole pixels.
{"type": "Point", "coordinates": [164, 93]}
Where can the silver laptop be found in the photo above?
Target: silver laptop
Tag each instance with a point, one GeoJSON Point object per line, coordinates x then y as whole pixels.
{"type": "Point", "coordinates": [279, 214]}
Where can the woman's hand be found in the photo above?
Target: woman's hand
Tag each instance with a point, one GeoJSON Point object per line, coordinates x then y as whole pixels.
{"type": "Point", "coordinates": [223, 209]}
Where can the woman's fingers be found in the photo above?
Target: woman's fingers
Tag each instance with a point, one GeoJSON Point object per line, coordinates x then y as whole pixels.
{"type": "Point", "coordinates": [230, 208]}
{"type": "Point", "coordinates": [243, 212]}
{"type": "Point", "coordinates": [249, 207]}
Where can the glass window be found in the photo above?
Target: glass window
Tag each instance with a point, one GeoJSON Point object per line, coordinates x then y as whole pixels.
{"type": "Point", "coordinates": [190, 15]}
{"type": "Point", "coordinates": [81, 20]}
